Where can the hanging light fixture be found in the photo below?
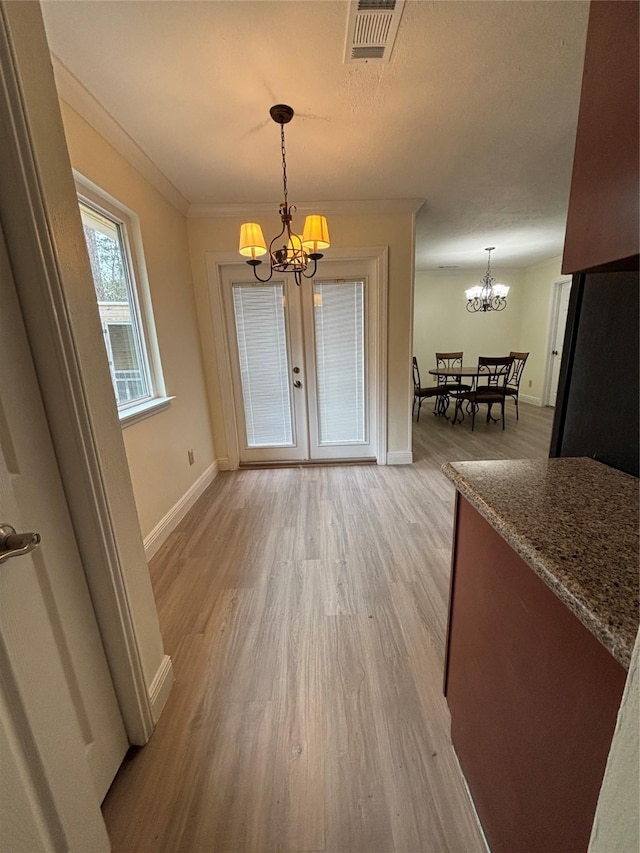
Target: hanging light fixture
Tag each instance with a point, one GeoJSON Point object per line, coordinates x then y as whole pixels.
{"type": "Point", "coordinates": [489, 295]}
{"type": "Point", "coordinates": [296, 251]}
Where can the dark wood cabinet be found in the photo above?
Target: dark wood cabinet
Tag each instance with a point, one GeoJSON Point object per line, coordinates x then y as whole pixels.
{"type": "Point", "coordinates": [533, 697]}
{"type": "Point", "coordinates": [603, 220]}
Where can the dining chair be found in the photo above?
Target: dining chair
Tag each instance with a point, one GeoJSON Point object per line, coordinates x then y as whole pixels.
{"type": "Point", "coordinates": [488, 387]}
{"type": "Point", "coordinates": [451, 360]}
{"type": "Point", "coordinates": [420, 393]}
{"type": "Point", "coordinates": [512, 388]}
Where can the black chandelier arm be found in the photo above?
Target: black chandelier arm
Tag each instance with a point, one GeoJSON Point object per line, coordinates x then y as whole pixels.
{"type": "Point", "coordinates": [255, 263]}
{"type": "Point", "coordinates": [315, 257]}
{"type": "Point", "coordinates": [494, 303]}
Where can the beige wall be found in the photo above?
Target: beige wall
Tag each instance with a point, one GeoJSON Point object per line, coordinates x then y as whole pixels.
{"type": "Point", "coordinates": [442, 323]}
{"type": "Point", "coordinates": [535, 324]}
{"type": "Point", "coordinates": [157, 446]}
{"type": "Point", "coordinates": [220, 234]}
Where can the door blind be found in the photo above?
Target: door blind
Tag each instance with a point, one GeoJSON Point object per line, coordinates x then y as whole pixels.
{"type": "Point", "coordinates": [264, 364]}
{"type": "Point", "coordinates": [340, 358]}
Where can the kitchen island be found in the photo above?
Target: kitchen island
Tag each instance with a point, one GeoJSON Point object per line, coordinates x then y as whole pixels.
{"type": "Point", "coordinates": [543, 614]}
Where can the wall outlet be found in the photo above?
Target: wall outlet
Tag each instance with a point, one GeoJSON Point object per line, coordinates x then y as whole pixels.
{"type": "Point", "coordinates": [530, 383]}
{"type": "Point", "coordinates": [191, 457]}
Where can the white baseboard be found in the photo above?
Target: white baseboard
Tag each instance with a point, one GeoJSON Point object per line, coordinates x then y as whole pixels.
{"type": "Point", "coordinates": [161, 687]}
{"type": "Point", "coordinates": [223, 464]}
{"type": "Point", "coordinates": [535, 401]}
{"type": "Point", "coordinates": [400, 457]}
{"type": "Point", "coordinates": [163, 528]}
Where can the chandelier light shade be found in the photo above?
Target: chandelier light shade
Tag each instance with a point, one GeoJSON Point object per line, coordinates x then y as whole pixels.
{"type": "Point", "coordinates": [316, 233]}
{"type": "Point", "coordinates": [297, 254]}
{"type": "Point", "coordinates": [488, 295]}
{"type": "Point", "coordinates": [252, 243]}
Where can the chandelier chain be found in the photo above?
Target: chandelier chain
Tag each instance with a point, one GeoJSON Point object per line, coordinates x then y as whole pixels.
{"type": "Point", "coordinates": [284, 165]}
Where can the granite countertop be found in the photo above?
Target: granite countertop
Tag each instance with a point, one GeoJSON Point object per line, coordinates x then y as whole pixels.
{"type": "Point", "coordinates": [575, 522]}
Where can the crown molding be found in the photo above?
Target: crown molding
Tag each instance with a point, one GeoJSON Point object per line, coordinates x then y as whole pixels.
{"type": "Point", "coordinates": [329, 208]}
{"type": "Point", "coordinates": [71, 90]}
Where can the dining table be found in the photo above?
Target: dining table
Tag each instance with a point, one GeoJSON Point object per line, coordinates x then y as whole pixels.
{"type": "Point", "coordinates": [468, 371]}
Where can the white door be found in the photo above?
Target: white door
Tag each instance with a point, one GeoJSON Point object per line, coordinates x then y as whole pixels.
{"type": "Point", "coordinates": [264, 327]}
{"type": "Point", "coordinates": [302, 363]}
{"type": "Point", "coordinates": [49, 639]}
{"type": "Point", "coordinates": [563, 292]}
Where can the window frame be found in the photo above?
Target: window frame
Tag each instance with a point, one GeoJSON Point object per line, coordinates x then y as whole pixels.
{"type": "Point", "coordinates": [128, 223]}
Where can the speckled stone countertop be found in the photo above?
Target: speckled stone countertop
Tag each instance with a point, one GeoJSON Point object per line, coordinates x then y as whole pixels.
{"type": "Point", "coordinates": [575, 522]}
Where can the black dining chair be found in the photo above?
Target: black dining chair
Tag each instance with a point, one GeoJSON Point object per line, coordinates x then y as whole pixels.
{"type": "Point", "coordinates": [488, 387]}
{"type": "Point", "coordinates": [451, 360]}
{"type": "Point", "coordinates": [420, 393]}
{"type": "Point", "coordinates": [513, 381]}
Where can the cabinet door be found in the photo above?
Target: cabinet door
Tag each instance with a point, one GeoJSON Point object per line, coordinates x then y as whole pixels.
{"type": "Point", "coordinates": [603, 222]}
{"type": "Point", "coordinates": [528, 686]}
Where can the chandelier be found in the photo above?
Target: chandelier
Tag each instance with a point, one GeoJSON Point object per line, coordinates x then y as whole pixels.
{"type": "Point", "coordinates": [296, 252]}
{"type": "Point", "coordinates": [489, 295]}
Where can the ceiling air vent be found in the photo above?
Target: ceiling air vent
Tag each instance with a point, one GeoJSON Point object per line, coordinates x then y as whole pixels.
{"type": "Point", "coordinates": [372, 29]}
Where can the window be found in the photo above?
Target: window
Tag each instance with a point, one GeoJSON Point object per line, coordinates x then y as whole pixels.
{"type": "Point", "coordinates": [340, 360]}
{"type": "Point", "coordinates": [125, 309]}
{"type": "Point", "coordinates": [264, 365]}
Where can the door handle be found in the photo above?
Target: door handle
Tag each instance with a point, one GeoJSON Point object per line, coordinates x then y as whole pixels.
{"type": "Point", "coordinates": [297, 384]}
{"type": "Point", "coordinates": [14, 544]}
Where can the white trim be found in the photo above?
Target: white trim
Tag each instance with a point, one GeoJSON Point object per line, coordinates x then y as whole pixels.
{"type": "Point", "coordinates": [215, 261]}
{"type": "Point", "coordinates": [552, 326]}
{"type": "Point", "coordinates": [394, 206]}
{"type": "Point", "coordinates": [160, 687]}
{"type": "Point", "coordinates": [71, 90]}
{"type": "Point", "coordinates": [527, 398]}
{"type": "Point", "coordinates": [39, 213]}
{"type": "Point", "coordinates": [138, 288]}
{"type": "Point", "coordinates": [400, 457]}
{"type": "Point", "coordinates": [223, 464]}
{"type": "Point", "coordinates": [143, 410]}
{"type": "Point", "coordinates": [382, 341]}
{"type": "Point", "coordinates": [409, 374]}
{"type": "Point", "coordinates": [166, 525]}
{"type": "Point", "coordinates": [34, 149]}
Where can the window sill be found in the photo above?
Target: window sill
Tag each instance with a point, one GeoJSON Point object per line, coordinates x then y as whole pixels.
{"type": "Point", "coordinates": [143, 410]}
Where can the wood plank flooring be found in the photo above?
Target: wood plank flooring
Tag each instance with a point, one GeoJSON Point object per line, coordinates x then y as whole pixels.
{"type": "Point", "coordinates": [305, 611]}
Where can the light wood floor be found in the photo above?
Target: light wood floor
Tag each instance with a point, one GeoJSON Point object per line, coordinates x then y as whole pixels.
{"type": "Point", "coordinates": [304, 610]}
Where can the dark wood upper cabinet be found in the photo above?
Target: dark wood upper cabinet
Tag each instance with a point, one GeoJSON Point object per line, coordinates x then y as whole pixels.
{"type": "Point", "coordinates": [603, 224]}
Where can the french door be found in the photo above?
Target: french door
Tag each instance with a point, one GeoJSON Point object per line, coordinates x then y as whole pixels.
{"type": "Point", "coordinates": [302, 363]}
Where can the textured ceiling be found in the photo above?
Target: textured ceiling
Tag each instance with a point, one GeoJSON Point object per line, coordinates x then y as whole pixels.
{"type": "Point", "coordinates": [476, 111]}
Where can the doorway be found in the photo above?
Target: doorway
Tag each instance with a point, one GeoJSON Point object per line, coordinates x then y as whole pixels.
{"type": "Point", "coordinates": [560, 306]}
{"type": "Point", "coordinates": [305, 372]}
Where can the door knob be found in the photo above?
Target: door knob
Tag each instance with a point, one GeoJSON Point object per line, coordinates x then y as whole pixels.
{"type": "Point", "coordinates": [14, 544]}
